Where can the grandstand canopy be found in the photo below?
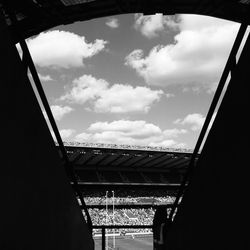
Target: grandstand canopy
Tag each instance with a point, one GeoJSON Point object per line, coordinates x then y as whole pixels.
{"type": "Point", "coordinates": [35, 16]}
{"type": "Point", "coordinates": [128, 158]}
{"type": "Point", "coordinates": [124, 165]}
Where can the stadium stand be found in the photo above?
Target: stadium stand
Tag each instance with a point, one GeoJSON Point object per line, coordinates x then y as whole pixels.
{"type": "Point", "coordinates": [96, 166]}
{"type": "Point", "coordinates": [122, 216]}
{"type": "Point", "coordinates": [87, 176]}
{"type": "Point", "coordinates": [112, 176]}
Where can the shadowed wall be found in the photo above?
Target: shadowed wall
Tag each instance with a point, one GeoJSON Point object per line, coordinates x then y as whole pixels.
{"type": "Point", "coordinates": [38, 206]}
{"type": "Point", "coordinates": [215, 209]}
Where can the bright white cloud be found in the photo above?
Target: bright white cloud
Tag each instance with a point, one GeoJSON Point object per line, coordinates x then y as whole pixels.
{"type": "Point", "coordinates": [195, 120]}
{"type": "Point", "coordinates": [85, 88]}
{"type": "Point", "coordinates": [138, 129]}
{"type": "Point", "coordinates": [60, 111]}
{"type": "Point", "coordinates": [66, 133]}
{"type": "Point", "coordinates": [129, 132]}
{"type": "Point", "coordinates": [151, 25]}
{"type": "Point", "coordinates": [165, 143]}
{"type": "Point", "coordinates": [197, 56]}
{"type": "Point", "coordinates": [124, 98]}
{"type": "Point", "coordinates": [118, 98]}
{"type": "Point", "coordinates": [45, 78]}
{"type": "Point", "coordinates": [112, 22]}
{"type": "Point", "coordinates": [62, 49]}
{"type": "Point", "coordinates": [168, 133]}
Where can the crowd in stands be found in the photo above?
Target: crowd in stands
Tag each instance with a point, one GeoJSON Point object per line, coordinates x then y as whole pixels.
{"type": "Point", "coordinates": [122, 216]}
{"type": "Point", "coordinates": [102, 200]}
{"type": "Point", "coordinates": [124, 146]}
{"type": "Point", "coordinates": [129, 195]}
{"type": "Point", "coordinates": [129, 216]}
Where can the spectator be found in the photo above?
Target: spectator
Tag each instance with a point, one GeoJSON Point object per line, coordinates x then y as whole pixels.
{"type": "Point", "coordinates": [161, 223]}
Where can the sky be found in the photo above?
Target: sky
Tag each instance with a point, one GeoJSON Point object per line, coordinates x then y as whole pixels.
{"type": "Point", "coordinates": [133, 79]}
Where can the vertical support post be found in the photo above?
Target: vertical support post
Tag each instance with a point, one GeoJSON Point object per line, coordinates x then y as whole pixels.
{"type": "Point", "coordinates": [103, 238]}
{"type": "Point", "coordinates": [230, 65]}
{"type": "Point", "coordinates": [24, 122]}
{"type": "Point", "coordinates": [25, 62]}
{"type": "Point", "coordinates": [29, 64]}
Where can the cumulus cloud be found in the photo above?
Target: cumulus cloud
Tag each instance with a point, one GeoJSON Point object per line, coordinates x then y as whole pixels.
{"type": "Point", "coordinates": [174, 132]}
{"type": "Point", "coordinates": [195, 121]}
{"type": "Point", "coordinates": [84, 89]}
{"type": "Point", "coordinates": [117, 98]}
{"type": "Point", "coordinates": [165, 143]}
{"type": "Point", "coordinates": [58, 111]}
{"type": "Point", "coordinates": [129, 132]}
{"type": "Point", "coordinates": [138, 129]}
{"type": "Point", "coordinates": [124, 98]}
{"type": "Point", "coordinates": [66, 133]}
{"type": "Point", "coordinates": [112, 22]}
{"type": "Point", "coordinates": [151, 25]}
{"type": "Point", "coordinates": [196, 57]}
{"type": "Point", "coordinates": [62, 49]}
{"type": "Point", "coordinates": [45, 78]}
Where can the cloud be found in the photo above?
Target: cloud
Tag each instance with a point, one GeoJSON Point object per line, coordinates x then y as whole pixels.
{"type": "Point", "coordinates": [138, 129]}
{"type": "Point", "coordinates": [62, 49]}
{"type": "Point", "coordinates": [58, 111]}
{"type": "Point", "coordinates": [129, 132]}
{"type": "Point", "coordinates": [117, 98]}
{"type": "Point", "coordinates": [85, 88]}
{"type": "Point", "coordinates": [124, 98]}
{"type": "Point", "coordinates": [151, 25]}
{"type": "Point", "coordinates": [195, 120]}
{"type": "Point", "coordinates": [174, 132]}
{"type": "Point", "coordinates": [165, 143]}
{"type": "Point", "coordinates": [66, 133]}
{"type": "Point", "coordinates": [195, 58]}
{"type": "Point", "coordinates": [168, 95]}
{"type": "Point", "coordinates": [45, 78]}
{"type": "Point", "coordinates": [112, 22]}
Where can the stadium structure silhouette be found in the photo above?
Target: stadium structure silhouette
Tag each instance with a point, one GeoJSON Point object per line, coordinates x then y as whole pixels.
{"type": "Point", "coordinates": [41, 180]}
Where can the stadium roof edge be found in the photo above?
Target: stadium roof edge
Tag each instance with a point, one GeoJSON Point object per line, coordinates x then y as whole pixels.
{"type": "Point", "coordinates": [35, 16]}
{"type": "Point", "coordinates": [96, 157]}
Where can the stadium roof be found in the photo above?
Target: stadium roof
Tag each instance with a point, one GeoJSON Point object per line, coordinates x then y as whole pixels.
{"type": "Point", "coordinates": [125, 166]}
{"type": "Point", "coordinates": [126, 157]}
{"type": "Point", "coordinates": [35, 16]}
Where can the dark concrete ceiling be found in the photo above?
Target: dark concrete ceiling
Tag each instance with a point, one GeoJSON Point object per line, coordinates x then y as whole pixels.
{"type": "Point", "coordinates": [35, 16]}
